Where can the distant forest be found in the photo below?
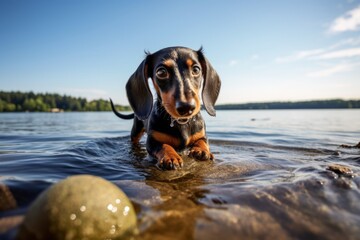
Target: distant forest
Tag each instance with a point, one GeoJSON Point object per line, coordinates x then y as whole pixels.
{"type": "Point", "coordinates": [321, 104]}
{"type": "Point", "coordinates": [39, 102]}
{"type": "Point", "coordinates": [47, 102]}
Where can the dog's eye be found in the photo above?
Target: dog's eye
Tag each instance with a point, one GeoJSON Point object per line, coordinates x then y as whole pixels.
{"type": "Point", "coordinates": [162, 73]}
{"type": "Point", "coordinates": [196, 71]}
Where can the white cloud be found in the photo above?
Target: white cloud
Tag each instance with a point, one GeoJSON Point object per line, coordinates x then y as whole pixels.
{"type": "Point", "coordinates": [343, 53]}
{"type": "Point", "coordinates": [339, 58]}
{"type": "Point", "coordinates": [329, 71]}
{"type": "Point", "coordinates": [350, 21]}
{"type": "Point", "coordinates": [309, 53]}
{"type": "Point", "coordinates": [346, 42]}
{"type": "Point", "coordinates": [233, 63]}
{"type": "Point", "coordinates": [300, 55]}
{"type": "Point", "coordinates": [333, 70]}
{"type": "Point", "coordinates": [330, 52]}
{"type": "Point", "coordinates": [254, 57]}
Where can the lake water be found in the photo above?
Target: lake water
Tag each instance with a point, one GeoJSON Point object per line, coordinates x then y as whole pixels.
{"type": "Point", "coordinates": [273, 176]}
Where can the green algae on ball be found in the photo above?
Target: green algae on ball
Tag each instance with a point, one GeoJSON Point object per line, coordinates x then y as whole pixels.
{"type": "Point", "coordinates": [80, 207]}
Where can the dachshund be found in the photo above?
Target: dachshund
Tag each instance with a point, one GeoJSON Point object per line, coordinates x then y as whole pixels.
{"type": "Point", "coordinates": [173, 122]}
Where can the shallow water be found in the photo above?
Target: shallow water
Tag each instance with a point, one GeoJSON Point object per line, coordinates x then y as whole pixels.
{"type": "Point", "coordinates": [272, 177]}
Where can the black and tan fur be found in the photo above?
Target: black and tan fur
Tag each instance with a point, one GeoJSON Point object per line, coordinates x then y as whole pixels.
{"type": "Point", "coordinates": [178, 75]}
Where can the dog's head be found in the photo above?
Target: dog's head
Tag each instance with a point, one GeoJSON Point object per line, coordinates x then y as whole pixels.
{"type": "Point", "coordinates": [178, 74]}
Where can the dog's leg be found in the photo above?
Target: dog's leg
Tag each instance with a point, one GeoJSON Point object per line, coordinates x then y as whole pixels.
{"type": "Point", "coordinates": [137, 130]}
{"type": "Point", "coordinates": [200, 150]}
{"type": "Point", "coordinates": [166, 156]}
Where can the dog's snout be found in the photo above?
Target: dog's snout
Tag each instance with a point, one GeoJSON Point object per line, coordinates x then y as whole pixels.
{"type": "Point", "coordinates": [185, 108]}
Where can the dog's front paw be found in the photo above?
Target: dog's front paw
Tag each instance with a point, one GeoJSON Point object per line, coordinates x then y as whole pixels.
{"type": "Point", "coordinates": [170, 161]}
{"type": "Point", "coordinates": [200, 154]}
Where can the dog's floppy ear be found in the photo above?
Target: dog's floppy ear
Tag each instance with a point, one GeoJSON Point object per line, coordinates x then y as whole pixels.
{"type": "Point", "coordinates": [138, 91]}
{"type": "Point", "coordinates": [211, 84]}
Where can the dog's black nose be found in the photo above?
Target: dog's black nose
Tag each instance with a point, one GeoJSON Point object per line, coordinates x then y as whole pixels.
{"type": "Point", "coordinates": [185, 108]}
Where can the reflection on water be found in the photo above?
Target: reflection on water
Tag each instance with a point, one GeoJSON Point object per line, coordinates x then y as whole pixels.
{"type": "Point", "coordinates": [273, 177]}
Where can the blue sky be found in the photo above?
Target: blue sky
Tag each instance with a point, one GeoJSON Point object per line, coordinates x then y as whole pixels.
{"type": "Point", "coordinates": [263, 50]}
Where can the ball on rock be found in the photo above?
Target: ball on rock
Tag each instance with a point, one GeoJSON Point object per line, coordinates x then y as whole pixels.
{"type": "Point", "coordinates": [80, 207]}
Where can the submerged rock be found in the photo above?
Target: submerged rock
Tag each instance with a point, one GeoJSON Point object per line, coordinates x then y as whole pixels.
{"type": "Point", "coordinates": [350, 146]}
{"type": "Point", "coordinates": [80, 207]}
{"type": "Point", "coordinates": [340, 169]}
{"type": "Point", "coordinates": [7, 200]}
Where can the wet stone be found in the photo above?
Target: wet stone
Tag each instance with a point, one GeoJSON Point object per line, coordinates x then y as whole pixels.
{"type": "Point", "coordinates": [80, 207]}
{"type": "Point", "coordinates": [7, 200]}
{"type": "Point", "coordinates": [340, 170]}
{"type": "Point", "coordinates": [350, 146]}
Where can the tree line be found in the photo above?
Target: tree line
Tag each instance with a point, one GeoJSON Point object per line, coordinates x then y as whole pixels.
{"type": "Point", "coordinates": [45, 102]}
{"type": "Point", "coordinates": [320, 104]}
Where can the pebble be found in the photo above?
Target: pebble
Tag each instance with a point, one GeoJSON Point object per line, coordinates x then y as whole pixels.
{"type": "Point", "coordinates": [340, 169]}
